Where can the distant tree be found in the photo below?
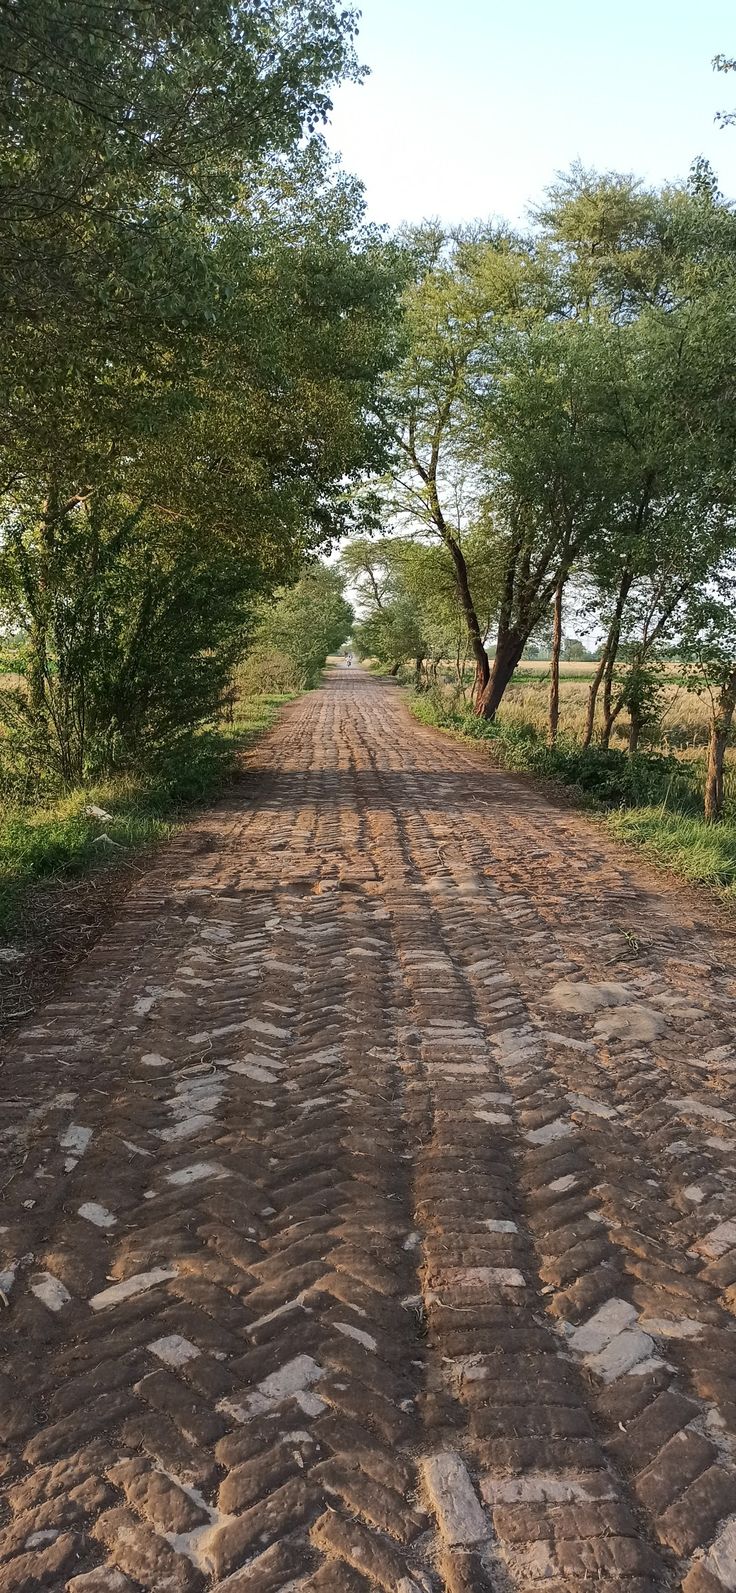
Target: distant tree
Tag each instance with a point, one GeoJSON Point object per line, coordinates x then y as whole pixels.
{"type": "Point", "coordinates": [307, 621]}
{"type": "Point", "coordinates": [574, 651]}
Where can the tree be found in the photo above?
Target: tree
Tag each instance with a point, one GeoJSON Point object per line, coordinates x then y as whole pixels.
{"type": "Point", "coordinates": [725, 63]}
{"type": "Point", "coordinates": [109, 116]}
{"type": "Point", "coordinates": [128, 640]}
{"type": "Point", "coordinates": [575, 651]}
{"type": "Point", "coordinates": [658, 271]}
{"type": "Point", "coordinates": [306, 622]}
{"type": "Point", "coordinates": [709, 645]}
{"type": "Point", "coordinates": [201, 357]}
{"type": "Point", "coordinates": [407, 594]}
{"type": "Point", "coordinates": [462, 284]}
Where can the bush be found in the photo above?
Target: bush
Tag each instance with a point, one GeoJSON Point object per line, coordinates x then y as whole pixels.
{"type": "Point", "coordinates": [603, 775]}
{"type": "Point", "coordinates": [266, 669]}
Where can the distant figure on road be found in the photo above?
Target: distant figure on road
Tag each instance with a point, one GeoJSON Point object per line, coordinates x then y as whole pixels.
{"type": "Point", "coordinates": [348, 660]}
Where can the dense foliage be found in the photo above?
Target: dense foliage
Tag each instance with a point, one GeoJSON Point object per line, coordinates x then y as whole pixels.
{"type": "Point", "coordinates": [195, 324]}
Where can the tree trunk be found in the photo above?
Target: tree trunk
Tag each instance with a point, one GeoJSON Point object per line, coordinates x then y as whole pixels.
{"type": "Point", "coordinates": [418, 673]}
{"type": "Point", "coordinates": [608, 714]}
{"type": "Point", "coordinates": [554, 685]}
{"type": "Point", "coordinates": [394, 670]}
{"type": "Point", "coordinates": [714, 774]}
{"type": "Point", "coordinates": [38, 634]}
{"type": "Point", "coordinates": [593, 690]}
{"type": "Point", "coordinates": [609, 654]}
{"type": "Point", "coordinates": [508, 653]}
{"type": "Point", "coordinates": [635, 728]}
{"type": "Point", "coordinates": [482, 666]}
{"type": "Point", "coordinates": [720, 724]}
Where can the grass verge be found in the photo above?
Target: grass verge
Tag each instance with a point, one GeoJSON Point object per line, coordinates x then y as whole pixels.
{"type": "Point", "coordinates": [652, 801]}
{"type": "Point", "coordinates": [62, 839]}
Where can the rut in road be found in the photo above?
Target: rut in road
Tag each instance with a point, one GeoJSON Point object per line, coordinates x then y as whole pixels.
{"type": "Point", "coordinates": [369, 1215]}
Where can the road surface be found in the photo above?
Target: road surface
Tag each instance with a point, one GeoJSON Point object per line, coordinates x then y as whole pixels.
{"type": "Point", "coordinates": [369, 1211]}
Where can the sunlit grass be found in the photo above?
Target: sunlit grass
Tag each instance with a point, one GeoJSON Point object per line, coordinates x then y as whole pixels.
{"type": "Point", "coordinates": [688, 846]}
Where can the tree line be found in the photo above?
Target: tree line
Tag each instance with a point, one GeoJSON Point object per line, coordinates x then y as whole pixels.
{"type": "Point", "coordinates": [562, 419]}
{"type": "Point", "coordinates": [194, 326]}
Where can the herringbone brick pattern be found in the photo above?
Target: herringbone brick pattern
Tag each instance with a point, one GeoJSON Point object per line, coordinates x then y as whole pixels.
{"type": "Point", "coordinates": [369, 1217]}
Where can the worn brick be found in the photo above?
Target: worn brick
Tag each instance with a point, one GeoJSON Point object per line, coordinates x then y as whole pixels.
{"type": "Point", "coordinates": [281, 1512]}
{"type": "Point", "coordinates": [143, 1555]}
{"type": "Point", "coordinates": [694, 1518]}
{"type": "Point", "coordinates": [677, 1465]}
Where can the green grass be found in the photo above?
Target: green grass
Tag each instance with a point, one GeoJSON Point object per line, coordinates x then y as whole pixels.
{"type": "Point", "coordinates": [58, 840]}
{"type": "Point", "coordinates": [688, 846]}
{"type": "Point", "coordinates": [651, 801]}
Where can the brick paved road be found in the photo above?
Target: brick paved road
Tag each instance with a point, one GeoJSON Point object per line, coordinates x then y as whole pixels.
{"type": "Point", "coordinates": [370, 1210]}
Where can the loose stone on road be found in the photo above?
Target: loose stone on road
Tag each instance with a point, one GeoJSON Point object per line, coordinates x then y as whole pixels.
{"type": "Point", "coordinates": [369, 1213]}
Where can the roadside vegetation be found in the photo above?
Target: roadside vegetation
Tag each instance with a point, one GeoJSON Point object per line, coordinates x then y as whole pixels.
{"type": "Point", "coordinates": [195, 323]}
{"type": "Point", "coordinates": [213, 371]}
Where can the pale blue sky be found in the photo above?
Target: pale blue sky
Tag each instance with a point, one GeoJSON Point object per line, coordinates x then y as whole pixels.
{"type": "Point", "coordinates": [473, 105]}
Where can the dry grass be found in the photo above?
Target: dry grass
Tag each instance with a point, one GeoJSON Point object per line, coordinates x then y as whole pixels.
{"type": "Point", "coordinates": [683, 724]}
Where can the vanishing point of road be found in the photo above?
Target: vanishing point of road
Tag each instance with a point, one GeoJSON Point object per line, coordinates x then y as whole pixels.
{"type": "Point", "coordinates": [369, 1204]}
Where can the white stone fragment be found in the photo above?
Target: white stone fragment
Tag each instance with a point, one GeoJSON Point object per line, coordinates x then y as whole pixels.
{"type": "Point", "coordinates": [500, 1225]}
{"type": "Point", "coordinates": [688, 1105]}
{"type": "Point", "coordinates": [585, 998]}
{"type": "Point", "coordinates": [566, 1041]}
{"type": "Point", "coordinates": [152, 1059]}
{"type": "Point", "coordinates": [542, 1487]}
{"type": "Point", "coordinates": [309, 1403]}
{"type": "Point", "coordinates": [561, 1128]}
{"type": "Point", "coordinates": [250, 1070]}
{"type": "Point", "coordinates": [661, 1327]}
{"type": "Point", "coordinates": [186, 1127]}
{"type": "Point", "coordinates": [7, 1279]}
{"type": "Point", "coordinates": [622, 1355]}
{"type": "Point", "coordinates": [129, 1287]}
{"type": "Point", "coordinates": [195, 1172]}
{"type": "Point", "coordinates": [259, 1027]}
{"type": "Point", "coordinates": [298, 1374]}
{"type": "Point", "coordinates": [350, 1332]}
{"type": "Point", "coordinates": [38, 1539]}
{"type": "Point", "coordinates": [104, 1576]}
{"type": "Point", "coordinates": [720, 1560]}
{"type": "Point", "coordinates": [719, 1241]}
{"type": "Point", "coordinates": [583, 1103]}
{"type": "Point", "coordinates": [560, 1186]}
{"type": "Point", "coordinates": [630, 1023]}
{"type": "Point", "coordinates": [493, 1117]}
{"type": "Point", "coordinates": [75, 1138]}
{"type": "Point", "coordinates": [143, 1005]}
{"type": "Point", "coordinates": [99, 1215]}
{"type": "Point", "coordinates": [292, 1381]}
{"type": "Point", "coordinates": [461, 1519]}
{"type": "Point", "coordinates": [174, 1350]}
{"type": "Point", "coordinates": [483, 1278]}
{"type": "Point", "coordinates": [50, 1291]}
{"type": "Point", "coordinates": [605, 1323]}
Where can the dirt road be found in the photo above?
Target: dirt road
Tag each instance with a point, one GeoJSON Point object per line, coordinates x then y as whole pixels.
{"type": "Point", "coordinates": [369, 1207]}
